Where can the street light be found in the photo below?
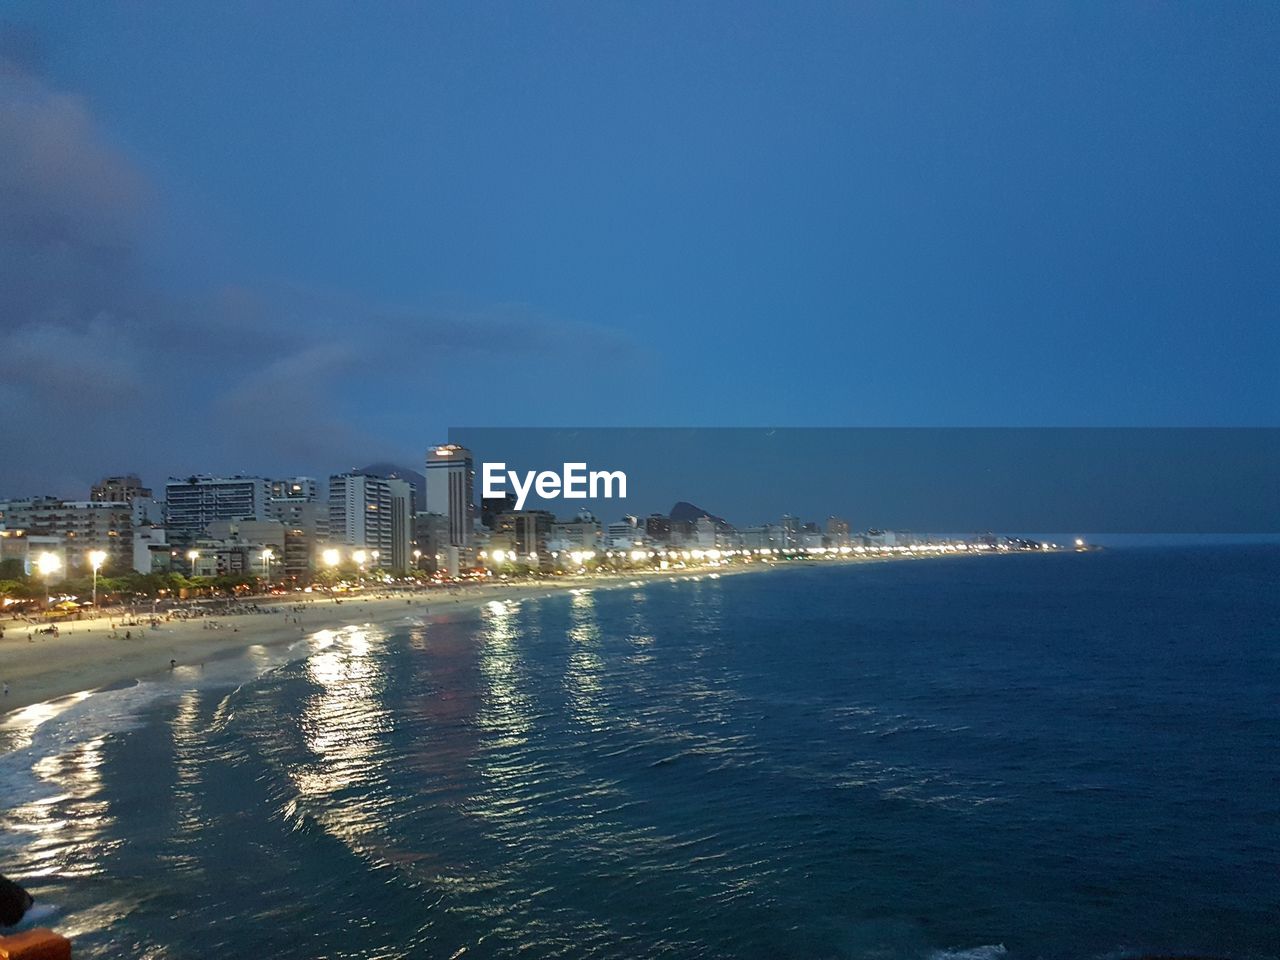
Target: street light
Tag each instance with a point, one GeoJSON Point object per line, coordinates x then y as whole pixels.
{"type": "Point", "coordinates": [267, 556]}
{"type": "Point", "coordinates": [331, 557]}
{"type": "Point", "coordinates": [192, 557]}
{"type": "Point", "coordinates": [96, 559]}
{"type": "Point", "coordinates": [48, 564]}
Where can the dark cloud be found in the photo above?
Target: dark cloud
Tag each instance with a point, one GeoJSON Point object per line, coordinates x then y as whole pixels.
{"type": "Point", "coordinates": [101, 372]}
{"type": "Point", "coordinates": [72, 208]}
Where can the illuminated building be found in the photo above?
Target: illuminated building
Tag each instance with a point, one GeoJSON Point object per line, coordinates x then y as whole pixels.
{"type": "Point", "coordinates": [451, 479]}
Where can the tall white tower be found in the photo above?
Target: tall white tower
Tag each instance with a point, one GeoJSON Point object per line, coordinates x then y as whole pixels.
{"type": "Point", "coordinates": [451, 477]}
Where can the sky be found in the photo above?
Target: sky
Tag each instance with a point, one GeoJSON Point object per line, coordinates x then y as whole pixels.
{"type": "Point", "coordinates": [938, 480]}
{"type": "Point", "coordinates": [293, 238]}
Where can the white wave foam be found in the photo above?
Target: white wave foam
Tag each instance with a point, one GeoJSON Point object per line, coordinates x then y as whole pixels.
{"type": "Point", "coordinates": [988, 951]}
{"type": "Point", "coordinates": [56, 727]}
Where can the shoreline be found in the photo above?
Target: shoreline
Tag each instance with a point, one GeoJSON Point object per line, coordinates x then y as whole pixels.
{"type": "Point", "coordinates": [85, 659]}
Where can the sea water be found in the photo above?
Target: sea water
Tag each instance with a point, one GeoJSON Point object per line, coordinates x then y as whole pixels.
{"type": "Point", "coordinates": [1070, 755]}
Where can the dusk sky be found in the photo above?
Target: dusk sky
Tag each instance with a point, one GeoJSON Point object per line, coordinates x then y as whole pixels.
{"type": "Point", "coordinates": [295, 238]}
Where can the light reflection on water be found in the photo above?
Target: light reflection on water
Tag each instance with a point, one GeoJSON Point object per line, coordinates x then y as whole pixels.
{"type": "Point", "coordinates": [66, 831]}
{"type": "Point", "coordinates": [652, 771]}
{"type": "Point", "coordinates": [504, 710]}
{"type": "Point", "coordinates": [583, 679]}
{"type": "Point", "coordinates": [344, 723]}
{"type": "Point", "coordinates": [18, 728]}
{"type": "Point", "coordinates": [190, 764]}
{"type": "Point", "coordinates": [639, 635]}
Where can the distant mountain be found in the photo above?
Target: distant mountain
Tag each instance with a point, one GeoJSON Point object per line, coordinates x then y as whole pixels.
{"type": "Point", "coordinates": [684, 512]}
{"type": "Point", "coordinates": [391, 471]}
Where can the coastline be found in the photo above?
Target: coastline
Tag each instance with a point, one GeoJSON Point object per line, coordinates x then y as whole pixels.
{"type": "Point", "coordinates": [84, 658]}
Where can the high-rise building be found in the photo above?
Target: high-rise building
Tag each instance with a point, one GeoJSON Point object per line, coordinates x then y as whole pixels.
{"type": "Point", "coordinates": [583, 532]}
{"type": "Point", "coordinates": [451, 479]}
{"type": "Point", "coordinates": [431, 537]}
{"type": "Point", "coordinates": [527, 531]}
{"type": "Point", "coordinates": [372, 514]}
{"type": "Point", "coordinates": [294, 502]}
{"type": "Point", "coordinates": [82, 526]}
{"type": "Point", "coordinates": [401, 524]}
{"type": "Point", "coordinates": [360, 512]}
{"type": "Point", "coordinates": [122, 489]}
{"type": "Point", "coordinates": [493, 507]}
{"type": "Point", "coordinates": [194, 503]}
{"type": "Point", "coordinates": [625, 533]}
{"type": "Point", "coordinates": [657, 526]}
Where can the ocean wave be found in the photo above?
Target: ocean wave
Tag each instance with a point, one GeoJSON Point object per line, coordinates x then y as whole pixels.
{"type": "Point", "coordinates": [988, 951]}
{"type": "Point", "coordinates": [39, 734]}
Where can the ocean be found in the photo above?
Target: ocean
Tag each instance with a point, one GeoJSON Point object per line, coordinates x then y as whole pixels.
{"type": "Point", "coordinates": [1046, 756]}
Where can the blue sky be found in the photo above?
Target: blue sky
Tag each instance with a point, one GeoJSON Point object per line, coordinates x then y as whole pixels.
{"type": "Point", "coordinates": [298, 237]}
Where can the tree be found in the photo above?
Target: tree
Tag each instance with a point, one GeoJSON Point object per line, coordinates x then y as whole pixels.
{"type": "Point", "coordinates": [14, 589]}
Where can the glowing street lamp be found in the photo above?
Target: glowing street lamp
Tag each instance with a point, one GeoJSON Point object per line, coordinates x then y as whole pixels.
{"type": "Point", "coordinates": [267, 556]}
{"type": "Point", "coordinates": [192, 557]}
{"type": "Point", "coordinates": [48, 564]}
{"type": "Point", "coordinates": [360, 557]}
{"type": "Point", "coordinates": [331, 557]}
{"type": "Point", "coordinates": [96, 559]}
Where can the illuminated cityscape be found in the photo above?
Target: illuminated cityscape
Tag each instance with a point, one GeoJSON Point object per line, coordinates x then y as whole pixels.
{"type": "Point", "coordinates": [598, 481]}
{"type": "Point", "coordinates": [259, 532]}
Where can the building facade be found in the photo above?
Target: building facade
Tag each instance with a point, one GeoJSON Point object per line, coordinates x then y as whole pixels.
{"type": "Point", "coordinates": [451, 478]}
{"type": "Point", "coordinates": [374, 515]}
{"type": "Point", "coordinates": [193, 503]}
{"type": "Point", "coordinates": [122, 489]}
{"type": "Point", "coordinates": [583, 532]}
{"type": "Point", "coordinates": [527, 531]}
{"type": "Point", "coordinates": [83, 526]}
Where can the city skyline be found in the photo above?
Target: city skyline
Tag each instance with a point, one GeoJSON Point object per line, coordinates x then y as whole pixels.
{"type": "Point", "coordinates": [1034, 481]}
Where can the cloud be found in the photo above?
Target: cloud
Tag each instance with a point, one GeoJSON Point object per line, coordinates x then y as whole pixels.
{"type": "Point", "coordinates": [101, 371]}
{"type": "Point", "coordinates": [283, 403]}
{"type": "Point", "coordinates": [72, 207]}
